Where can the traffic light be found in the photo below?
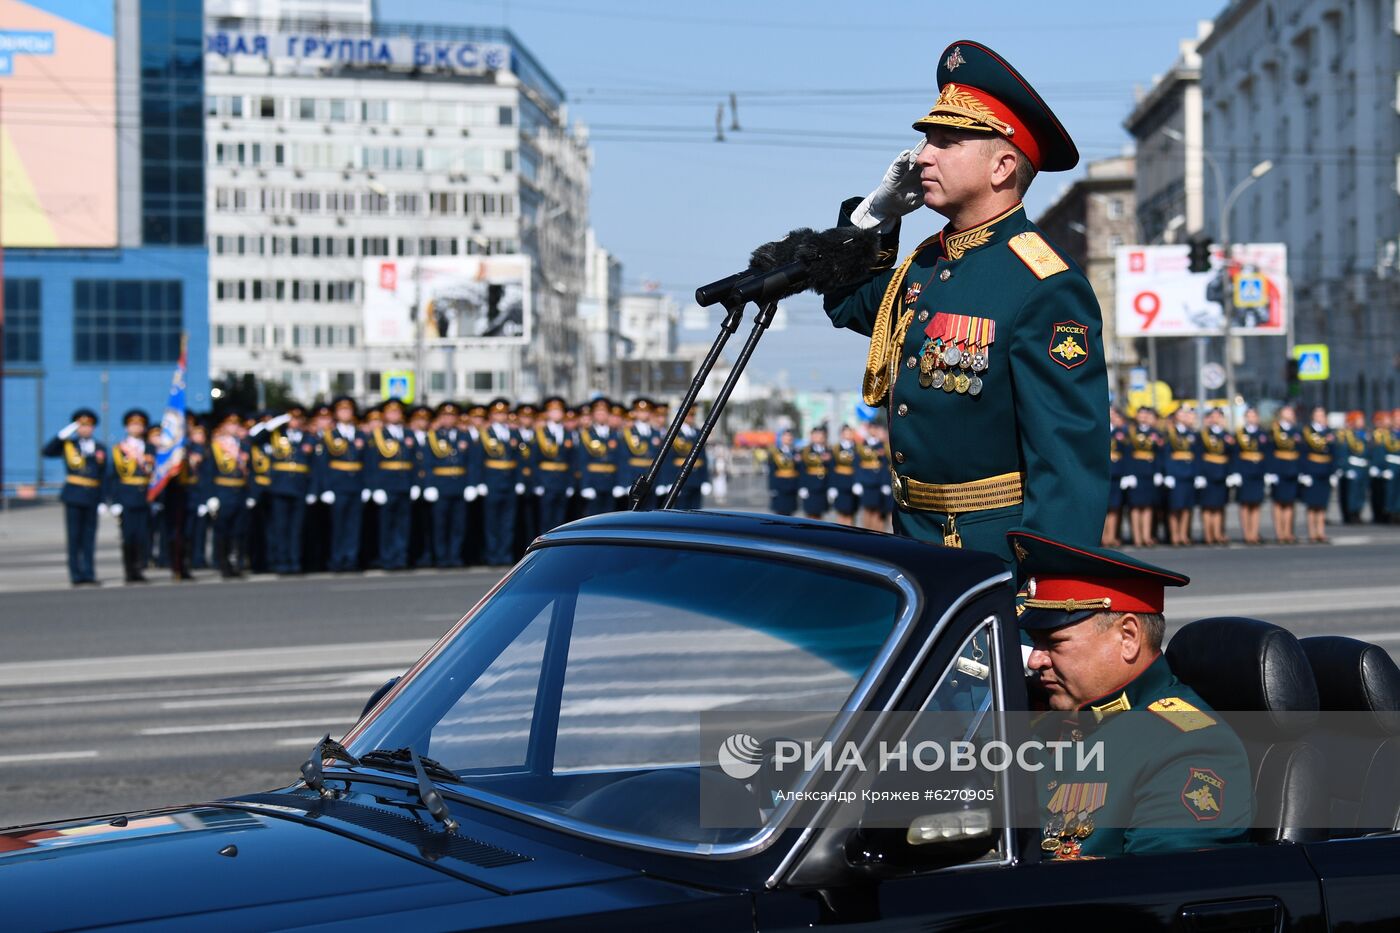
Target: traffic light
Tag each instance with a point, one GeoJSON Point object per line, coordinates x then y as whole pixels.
{"type": "Point", "coordinates": [1200, 253]}
{"type": "Point", "coordinates": [1290, 374]}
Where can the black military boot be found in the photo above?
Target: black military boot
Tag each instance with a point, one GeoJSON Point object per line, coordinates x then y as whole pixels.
{"type": "Point", "coordinates": [131, 564]}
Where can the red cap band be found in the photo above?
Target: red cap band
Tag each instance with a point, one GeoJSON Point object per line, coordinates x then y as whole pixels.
{"type": "Point", "coordinates": [1123, 594]}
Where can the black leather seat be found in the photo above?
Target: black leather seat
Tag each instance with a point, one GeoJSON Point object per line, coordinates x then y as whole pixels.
{"type": "Point", "coordinates": [1358, 686]}
{"type": "Point", "coordinates": [1257, 677]}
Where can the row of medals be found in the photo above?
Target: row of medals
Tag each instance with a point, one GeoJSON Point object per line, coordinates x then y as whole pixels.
{"type": "Point", "coordinates": [951, 368]}
{"type": "Point", "coordinates": [1065, 836]}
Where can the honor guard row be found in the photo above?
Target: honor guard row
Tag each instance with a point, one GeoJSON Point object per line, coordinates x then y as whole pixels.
{"type": "Point", "coordinates": [340, 489]}
{"type": "Point", "coordinates": [851, 478]}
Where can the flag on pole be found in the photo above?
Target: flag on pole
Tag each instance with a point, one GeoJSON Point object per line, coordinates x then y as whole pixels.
{"type": "Point", "coordinates": [170, 449]}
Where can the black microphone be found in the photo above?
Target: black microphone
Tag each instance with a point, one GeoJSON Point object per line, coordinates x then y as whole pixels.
{"type": "Point", "coordinates": [764, 259]}
{"type": "Point", "coordinates": [819, 261]}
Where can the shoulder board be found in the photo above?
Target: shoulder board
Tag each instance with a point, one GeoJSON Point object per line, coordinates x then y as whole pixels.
{"type": "Point", "coordinates": [1032, 249]}
{"type": "Point", "coordinates": [1181, 714]}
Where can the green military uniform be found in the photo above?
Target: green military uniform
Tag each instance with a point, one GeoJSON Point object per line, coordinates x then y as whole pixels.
{"type": "Point", "coordinates": [986, 347]}
{"type": "Point", "coordinates": [1173, 776]}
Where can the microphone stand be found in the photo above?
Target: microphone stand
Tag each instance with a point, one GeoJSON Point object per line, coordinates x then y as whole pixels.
{"type": "Point", "coordinates": [734, 315]}
{"type": "Point", "coordinates": [766, 311]}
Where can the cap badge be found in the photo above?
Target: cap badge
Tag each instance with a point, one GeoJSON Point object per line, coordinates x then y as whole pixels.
{"type": "Point", "coordinates": [955, 59]}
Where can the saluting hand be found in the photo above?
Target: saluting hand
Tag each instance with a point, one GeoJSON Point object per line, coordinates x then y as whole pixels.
{"type": "Point", "coordinates": [900, 192]}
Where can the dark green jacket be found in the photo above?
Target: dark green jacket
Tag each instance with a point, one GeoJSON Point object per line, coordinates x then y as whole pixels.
{"type": "Point", "coordinates": [1175, 776]}
{"type": "Point", "coordinates": [1043, 408]}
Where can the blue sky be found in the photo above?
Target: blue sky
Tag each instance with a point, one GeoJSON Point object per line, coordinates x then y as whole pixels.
{"type": "Point", "coordinates": [825, 92]}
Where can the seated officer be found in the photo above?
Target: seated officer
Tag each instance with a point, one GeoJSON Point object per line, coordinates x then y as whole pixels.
{"type": "Point", "coordinates": [1174, 776]}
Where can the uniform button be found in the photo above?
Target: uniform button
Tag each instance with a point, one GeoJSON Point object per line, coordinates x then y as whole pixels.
{"type": "Point", "coordinates": [898, 456]}
{"type": "Point", "coordinates": [911, 362]}
{"type": "Point", "coordinates": [923, 316]}
{"type": "Point", "coordinates": [903, 409]}
{"type": "Point", "coordinates": [945, 275]}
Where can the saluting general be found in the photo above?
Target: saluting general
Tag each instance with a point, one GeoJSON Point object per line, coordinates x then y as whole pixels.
{"type": "Point", "coordinates": [985, 342]}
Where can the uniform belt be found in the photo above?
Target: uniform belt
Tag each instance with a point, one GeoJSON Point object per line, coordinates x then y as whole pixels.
{"type": "Point", "coordinates": [639, 461]}
{"type": "Point", "coordinates": [553, 466]}
{"type": "Point", "coordinates": [500, 464]}
{"type": "Point", "coordinates": [818, 473]}
{"type": "Point", "coordinates": [1285, 455]}
{"type": "Point", "coordinates": [1215, 458]}
{"type": "Point", "coordinates": [291, 467]}
{"type": "Point", "coordinates": [263, 480]}
{"type": "Point", "coordinates": [870, 464]}
{"type": "Point", "coordinates": [1319, 458]}
{"type": "Point", "coordinates": [1183, 455]}
{"type": "Point", "coordinates": [1114, 457]}
{"type": "Point", "coordinates": [349, 466]}
{"type": "Point", "coordinates": [395, 465]}
{"type": "Point", "coordinates": [602, 468]}
{"type": "Point", "coordinates": [1144, 455]}
{"type": "Point", "coordinates": [994, 492]}
{"type": "Point", "coordinates": [1251, 456]}
{"type": "Point", "coordinates": [230, 482]}
{"type": "Point", "coordinates": [680, 462]}
{"type": "Point", "coordinates": [785, 474]}
{"type": "Point", "coordinates": [845, 471]}
{"type": "Point", "coordinates": [87, 481]}
{"type": "Point", "coordinates": [136, 481]}
{"type": "Point", "coordinates": [449, 471]}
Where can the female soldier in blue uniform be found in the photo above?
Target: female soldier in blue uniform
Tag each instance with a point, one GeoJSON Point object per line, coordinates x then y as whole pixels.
{"type": "Point", "coordinates": [1140, 480]}
{"type": "Point", "coordinates": [1354, 461]}
{"type": "Point", "coordinates": [873, 478]}
{"type": "Point", "coordinates": [1117, 469]}
{"type": "Point", "coordinates": [1179, 471]}
{"type": "Point", "coordinates": [228, 470]}
{"type": "Point", "coordinates": [812, 483]}
{"type": "Point", "coordinates": [1252, 449]}
{"type": "Point", "coordinates": [1217, 463]}
{"type": "Point", "coordinates": [1317, 474]}
{"type": "Point", "coordinates": [1282, 476]}
{"type": "Point", "coordinates": [842, 478]}
{"type": "Point", "coordinates": [782, 475]}
{"type": "Point", "coordinates": [85, 463]}
{"type": "Point", "coordinates": [133, 461]}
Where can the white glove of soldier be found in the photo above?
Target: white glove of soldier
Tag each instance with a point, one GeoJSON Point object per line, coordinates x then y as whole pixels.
{"type": "Point", "coordinates": [1234, 480]}
{"type": "Point", "coordinates": [1375, 471]}
{"type": "Point", "coordinates": [619, 491]}
{"type": "Point", "coordinates": [212, 506]}
{"type": "Point", "coordinates": [706, 489]}
{"type": "Point", "coordinates": [1169, 482]}
{"type": "Point", "coordinates": [481, 490]}
{"type": "Point", "coordinates": [469, 493]}
{"type": "Point", "coordinates": [858, 489]}
{"type": "Point", "coordinates": [310, 498]}
{"type": "Point", "coordinates": [662, 490]}
{"type": "Point", "coordinates": [1127, 482]}
{"type": "Point", "coordinates": [1333, 480]}
{"type": "Point", "coordinates": [1270, 479]}
{"type": "Point", "coordinates": [430, 494]}
{"type": "Point", "coordinates": [569, 493]}
{"type": "Point", "coordinates": [380, 497]}
{"type": "Point", "coordinates": [202, 511]}
{"type": "Point", "coordinates": [1156, 479]}
{"type": "Point", "coordinates": [539, 490]}
{"type": "Point", "coordinates": [802, 493]}
{"type": "Point", "coordinates": [103, 508]}
{"type": "Point", "coordinates": [1387, 474]}
{"type": "Point", "coordinates": [250, 502]}
{"type": "Point", "coordinates": [1200, 482]}
{"type": "Point", "coordinates": [68, 431]}
{"type": "Point", "coordinates": [520, 489]}
{"type": "Point", "coordinates": [414, 492]}
{"type": "Point", "coordinates": [116, 510]}
{"type": "Point", "coordinates": [831, 495]}
{"type": "Point", "coordinates": [884, 490]}
{"type": "Point", "coordinates": [328, 497]}
{"type": "Point", "coordinates": [589, 494]}
{"type": "Point", "coordinates": [364, 495]}
{"type": "Point", "coordinates": [900, 192]}
{"type": "Point", "coordinates": [1305, 479]}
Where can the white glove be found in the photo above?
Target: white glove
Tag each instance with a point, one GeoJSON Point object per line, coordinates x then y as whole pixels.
{"type": "Point", "coordinates": [328, 497]}
{"type": "Point", "coordinates": [116, 509]}
{"type": "Point", "coordinates": [1387, 474]}
{"type": "Point", "coordinates": [802, 493]}
{"type": "Point", "coordinates": [103, 508]}
{"type": "Point", "coordinates": [539, 490]}
{"type": "Point", "coordinates": [157, 507]}
{"type": "Point", "coordinates": [1270, 479]}
{"type": "Point", "coordinates": [1169, 482]}
{"type": "Point", "coordinates": [1375, 471]}
{"type": "Point", "coordinates": [212, 505]}
{"type": "Point", "coordinates": [589, 494]}
{"type": "Point", "coordinates": [1156, 479]}
{"type": "Point", "coordinates": [569, 493]}
{"type": "Point", "coordinates": [414, 492]}
{"type": "Point", "coordinates": [69, 431]}
{"type": "Point", "coordinates": [202, 511]}
{"type": "Point", "coordinates": [884, 490]}
{"type": "Point", "coordinates": [831, 494]}
{"type": "Point", "coordinates": [858, 489]}
{"type": "Point", "coordinates": [469, 493]}
{"type": "Point", "coordinates": [250, 502]}
{"type": "Point", "coordinates": [1127, 482]}
{"type": "Point", "coordinates": [481, 490]}
{"type": "Point", "coordinates": [900, 192]}
{"type": "Point", "coordinates": [662, 490]}
{"type": "Point", "coordinates": [380, 497]}
{"type": "Point", "coordinates": [1200, 482]}
{"type": "Point", "coordinates": [310, 498]}
{"type": "Point", "coordinates": [706, 489]}
{"type": "Point", "coordinates": [430, 494]}
{"type": "Point", "coordinates": [1305, 479]}
{"type": "Point", "coordinates": [364, 495]}
{"type": "Point", "coordinates": [619, 491]}
{"type": "Point", "coordinates": [1333, 480]}
{"type": "Point", "coordinates": [1234, 480]}
{"type": "Point", "coordinates": [520, 489]}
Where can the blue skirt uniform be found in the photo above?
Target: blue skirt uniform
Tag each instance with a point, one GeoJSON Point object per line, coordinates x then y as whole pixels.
{"type": "Point", "coordinates": [1251, 454]}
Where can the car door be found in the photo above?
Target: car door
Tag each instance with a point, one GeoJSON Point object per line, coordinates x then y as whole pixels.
{"type": "Point", "coordinates": [1358, 881]}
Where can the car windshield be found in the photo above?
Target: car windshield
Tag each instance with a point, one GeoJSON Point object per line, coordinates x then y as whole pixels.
{"type": "Point", "coordinates": [575, 693]}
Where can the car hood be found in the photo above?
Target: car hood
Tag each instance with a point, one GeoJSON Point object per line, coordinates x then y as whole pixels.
{"type": "Point", "coordinates": [290, 860]}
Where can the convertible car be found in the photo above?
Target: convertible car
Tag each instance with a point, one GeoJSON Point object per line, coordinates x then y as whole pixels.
{"type": "Point", "coordinates": [538, 767]}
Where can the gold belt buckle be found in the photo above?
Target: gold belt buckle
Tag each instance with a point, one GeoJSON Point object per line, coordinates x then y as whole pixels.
{"type": "Point", "coordinates": [897, 482]}
{"type": "Point", "coordinates": [951, 538]}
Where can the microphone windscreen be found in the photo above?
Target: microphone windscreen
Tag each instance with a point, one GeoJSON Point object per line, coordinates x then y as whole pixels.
{"type": "Point", "coordinates": [770, 256]}
{"type": "Point", "coordinates": [838, 256]}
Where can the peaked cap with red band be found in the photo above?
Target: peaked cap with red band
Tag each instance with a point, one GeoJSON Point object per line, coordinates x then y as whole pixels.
{"type": "Point", "coordinates": [1067, 584]}
{"type": "Point", "coordinates": [979, 91]}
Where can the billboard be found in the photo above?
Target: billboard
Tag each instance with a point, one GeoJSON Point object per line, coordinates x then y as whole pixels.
{"type": "Point", "coordinates": [1158, 296]}
{"type": "Point", "coordinates": [460, 299]}
{"type": "Point", "coordinates": [58, 132]}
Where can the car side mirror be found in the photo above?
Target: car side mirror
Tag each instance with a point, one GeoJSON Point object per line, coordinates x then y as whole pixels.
{"type": "Point", "coordinates": [378, 695]}
{"type": "Point", "coordinates": [931, 840]}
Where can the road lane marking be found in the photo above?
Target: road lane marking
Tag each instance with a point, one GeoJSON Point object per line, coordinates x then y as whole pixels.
{"type": "Point", "coordinates": [285, 699]}
{"type": "Point", "coordinates": [256, 726]}
{"type": "Point", "coordinates": [47, 756]}
{"type": "Point", "coordinates": [1263, 605]}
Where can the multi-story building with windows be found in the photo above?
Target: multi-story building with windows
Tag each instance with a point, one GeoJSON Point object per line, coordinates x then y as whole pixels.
{"type": "Point", "coordinates": [102, 211]}
{"type": "Point", "coordinates": [340, 153]}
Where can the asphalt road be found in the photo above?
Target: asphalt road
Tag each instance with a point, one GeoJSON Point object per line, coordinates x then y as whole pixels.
{"type": "Point", "coordinates": [124, 697]}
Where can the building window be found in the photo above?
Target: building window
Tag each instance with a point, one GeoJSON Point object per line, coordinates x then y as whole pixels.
{"type": "Point", "coordinates": [376, 111]}
{"type": "Point", "coordinates": [306, 108]}
{"type": "Point", "coordinates": [343, 383]}
{"type": "Point", "coordinates": [1115, 208]}
{"type": "Point", "coordinates": [507, 116]}
{"type": "Point", "coordinates": [337, 111]}
{"type": "Point", "coordinates": [483, 382]}
{"type": "Point", "coordinates": [127, 321]}
{"type": "Point", "coordinates": [437, 381]}
{"type": "Point", "coordinates": [373, 381]}
{"type": "Point", "coordinates": [22, 320]}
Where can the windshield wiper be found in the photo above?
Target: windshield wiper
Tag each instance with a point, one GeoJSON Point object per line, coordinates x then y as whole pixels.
{"type": "Point", "coordinates": [311, 771]}
{"type": "Point", "coordinates": [428, 793]}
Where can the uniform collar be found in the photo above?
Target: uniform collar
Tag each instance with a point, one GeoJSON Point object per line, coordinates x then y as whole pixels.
{"type": "Point", "coordinates": [957, 243]}
{"type": "Point", "coordinates": [1150, 685]}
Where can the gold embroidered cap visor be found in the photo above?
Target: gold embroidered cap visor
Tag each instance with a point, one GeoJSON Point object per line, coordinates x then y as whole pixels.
{"type": "Point", "coordinates": [980, 92]}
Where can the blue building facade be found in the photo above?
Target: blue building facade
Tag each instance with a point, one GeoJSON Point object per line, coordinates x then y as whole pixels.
{"type": "Point", "coordinates": [101, 328]}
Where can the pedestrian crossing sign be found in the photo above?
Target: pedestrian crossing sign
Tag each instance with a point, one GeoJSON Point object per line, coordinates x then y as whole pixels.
{"type": "Point", "coordinates": [1313, 362]}
{"type": "Point", "coordinates": [397, 384]}
{"type": "Point", "coordinates": [1249, 291]}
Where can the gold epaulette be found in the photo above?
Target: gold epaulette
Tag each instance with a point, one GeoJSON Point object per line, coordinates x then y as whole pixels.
{"type": "Point", "coordinates": [1181, 714]}
{"type": "Point", "coordinates": [1031, 248]}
